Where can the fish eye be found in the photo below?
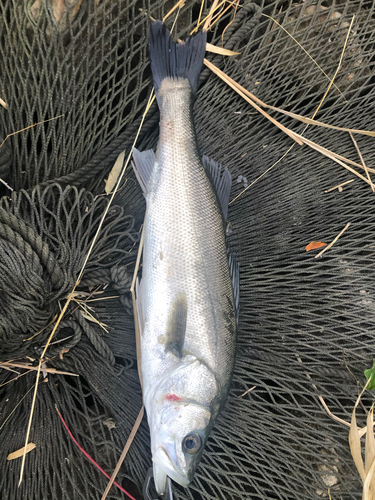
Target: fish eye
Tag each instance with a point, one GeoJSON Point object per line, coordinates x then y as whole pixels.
{"type": "Point", "coordinates": [192, 443]}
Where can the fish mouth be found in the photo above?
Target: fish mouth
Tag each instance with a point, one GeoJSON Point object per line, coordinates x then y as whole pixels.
{"type": "Point", "coordinates": [163, 467]}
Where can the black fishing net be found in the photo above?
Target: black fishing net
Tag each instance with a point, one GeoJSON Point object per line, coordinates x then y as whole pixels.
{"type": "Point", "coordinates": [306, 324]}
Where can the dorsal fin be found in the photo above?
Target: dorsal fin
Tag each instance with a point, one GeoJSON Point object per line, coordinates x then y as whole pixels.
{"type": "Point", "coordinates": [143, 166]}
{"type": "Point", "coordinates": [176, 325]}
{"type": "Point", "coordinates": [234, 270]}
{"type": "Point", "coordinates": [222, 182]}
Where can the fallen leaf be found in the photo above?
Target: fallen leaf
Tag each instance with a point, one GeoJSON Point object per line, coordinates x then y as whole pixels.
{"type": "Point", "coordinates": [63, 351]}
{"type": "Point", "coordinates": [368, 373]}
{"type": "Point", "coordinates": [115, 172]}
{"type": "Point", "coordinates": [355, 445]}
{"type": "Point", "coordinates": [219, 50]}
{"type": "Point", "coordinates": [315, 244]}
{"type": "Point", "coordinates": [370, 441]}
{"type": "Point", "coordinates": [19, 453]}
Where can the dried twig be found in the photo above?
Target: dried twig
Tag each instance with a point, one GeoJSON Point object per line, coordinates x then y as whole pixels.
{"type": "Point", "coordinates": [235, 87]}
{"type": "Point", "coordinates": [124, 452]}
{"type": "Point", "coordinates": [332, 155]}
{"type": "Point", "coordinates": [70, 296]}
{"type": "Point", "coordinates": [88, 456]}
{"type": "Point", "coordinates": [325, 151]}
{"type": "Point", "coordinates": [305, 51]}
{"type": "Point", "coordinates": [138, 344]}
{"type": "Point", "coordinates": [178, 5]}
{"type": "Point", "coordinates": [339, 185]}
{"type": "Point", "coordinates": [234, 17]}
{"type": "Point", "coordinates": [200, 12]}
{"type": "Point", "coordinates": [247, 392]}
{"type": "Point", "coordinates": [6, 185]}
{"type": "Point", "coordinates": [215, 6]}
{"type": "Point", "coordinates": [363, 162]}
{"type": "Point", "coordinates": [30, 126]}
{"type": "Point", "coordinates": [332, 242]}
{"type": "Point", "coordinates": [35, 368]}
{"type": "Point", "coordinates": [15, 408]}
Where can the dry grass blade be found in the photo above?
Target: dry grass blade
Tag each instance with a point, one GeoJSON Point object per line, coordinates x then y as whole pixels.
{"type": "Point", "coordinates": [220, 14]}
{"type": "Point", "coordinates": [332, 415]}
{"type": "Point", "coordinates": [247, 392]}
{"type": "Point", "coordinates": [215, 6]}
{"type": "Point", "coordinates": [124, 452]}
{"type": "Point", "coordinates": [339, 185]}
{"type": "Point", "coordinates": [178, 5]}
{"type": "Point", "coordinates": [35, 368]}
{"type": "Point", "coordinates": [42, 330]}
{"type": "Point", "coordinates": [338, 419]}
{"type": "Point", "coordinates": [330, 154]}
{"type": "Point", "coordinates": [6, 185]}
{"type": "Point", "coordinates": [311, 121]}
{"type": "Point", "coordinates": [234, 86]}
{"type": "Point", "coordinates": [234, 17]}
{"type": "Point", "coordinates": [262, 175]}
{"type": "Point", "coordinates": [30, 126]}
{"type": "Point", "coordinates": [200, 12]}
{"type": "Point", "coordinates": [368, 485]}
{"type": "Point", "coordinates": [221, 51]}
{"type": "Point", "coordinates": [15, 408]}
{"type": "Point", "coordinates": [87, 315]}
{"type": "Point", "coordinates": [304, 119]}
{"type": "Point", "coordinates": [15, 378]}
{"type": "Point", "coordinates": [355, 446]}
{"type": "Point", "coordinates": [20, 452]}
{"type": "Point", "coordinates": [305, 51]}
{"type": "Point", "coordinates": [354, 439]}
{"type": "Point", "coordinates": [3, 103]}
{"type": "Point", "coordinates": [338, 67]}
{"type": "Point", "coordinates": [251, 98]}
{"type": "Point", "coordinates": [208, 19]}
{"type": "Point", "coordinates": [150, 101]}
{"type": "Point", "coordinates": [332, 242]}
{"type": "Point", "coordinates": [362, 160]}
{"type": "Point", "coordinates": [138, 344]}
{"type": "Point", "coordinates": [370, 441]}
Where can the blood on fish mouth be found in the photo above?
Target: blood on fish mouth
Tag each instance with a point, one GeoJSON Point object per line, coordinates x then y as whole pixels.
{"type": "Point", "coordinates": [173, 397]}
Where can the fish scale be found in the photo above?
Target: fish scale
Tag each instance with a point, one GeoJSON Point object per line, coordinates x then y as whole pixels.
{"type": "Point", "coordinates": [185, 223]}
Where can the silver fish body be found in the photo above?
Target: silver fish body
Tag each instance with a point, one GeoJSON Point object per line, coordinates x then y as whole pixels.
{"type": "Point", "coordinates": [185, 301]}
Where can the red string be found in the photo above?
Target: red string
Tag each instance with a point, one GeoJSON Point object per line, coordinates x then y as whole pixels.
{"type": "Point", "coordinates": [91, 459]}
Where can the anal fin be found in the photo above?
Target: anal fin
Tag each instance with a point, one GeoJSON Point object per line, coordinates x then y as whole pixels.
{"type": "Point", "coordinates": [222, 182]}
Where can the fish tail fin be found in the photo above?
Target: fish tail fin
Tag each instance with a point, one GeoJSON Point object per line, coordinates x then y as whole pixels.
{"type": "Point", "coordinates": [175, 60]}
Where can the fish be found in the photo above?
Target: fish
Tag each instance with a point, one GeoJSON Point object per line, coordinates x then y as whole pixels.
{"type": "Point", "coordinates": [187, 299]}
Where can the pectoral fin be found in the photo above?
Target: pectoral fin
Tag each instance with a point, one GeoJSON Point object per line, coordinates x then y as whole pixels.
{"type": "Point", "coordinates": [143, 165]}
{"type": "Point", "coordinates": [176, 326]}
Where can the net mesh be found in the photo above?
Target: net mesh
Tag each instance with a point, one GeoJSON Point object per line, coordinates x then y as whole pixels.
{"type": "Point", "coordinates": [305, 324]}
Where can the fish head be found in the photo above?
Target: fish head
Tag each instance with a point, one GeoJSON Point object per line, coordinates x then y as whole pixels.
{"type": "Point", "coordinates": [178, 443]}
{"type": "Point", "coordinates": [181, 412]}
